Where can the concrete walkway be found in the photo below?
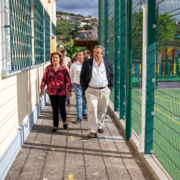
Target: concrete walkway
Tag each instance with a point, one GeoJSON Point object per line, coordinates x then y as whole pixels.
{"type": "Point", "coordinates": [69, 155]}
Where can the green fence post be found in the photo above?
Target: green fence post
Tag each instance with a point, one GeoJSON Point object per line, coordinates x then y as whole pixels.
{"type": "Point", "coordinates": [157, 44]}
{"type": "Point", "coordinates": [151, 49]}
{"type": "Point", "coordinates": [100, 24]}
{"type": "Point", "coordinates": [106, 28]}
{"type": "Point", "coordinates": [117, 55]}
{"type": "Point", "coordinates": [167, 65]}
{"type": "Point", "coordinates": [129, 69]}
{"type": "Point", "coordinates": [122, 59]}
{"type": "Point", "coordinates": [177, 66]}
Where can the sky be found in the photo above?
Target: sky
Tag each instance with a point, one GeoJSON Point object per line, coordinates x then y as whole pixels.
{"type": "Point", "coordinates": [84, 7]}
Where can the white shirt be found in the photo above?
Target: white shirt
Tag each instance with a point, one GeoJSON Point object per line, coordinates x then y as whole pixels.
{"type": "Point", "coordinates": [99, 77]}
{"type": "Point", "coordinates": [75, 71]}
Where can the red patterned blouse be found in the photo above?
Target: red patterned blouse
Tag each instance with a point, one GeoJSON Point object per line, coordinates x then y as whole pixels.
{"type": "Point", "coordinates": [56, 81]}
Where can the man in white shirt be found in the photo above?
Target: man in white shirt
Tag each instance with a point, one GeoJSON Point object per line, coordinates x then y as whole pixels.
{"type": "Point", "coordinates": [67, 62]}
{"type": "Point", "coordinates": [81, 103]}
{"type": "Point", "coordinates": [97, 81]}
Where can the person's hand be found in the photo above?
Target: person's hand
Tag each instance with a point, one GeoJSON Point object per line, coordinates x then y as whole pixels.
{"type": "Point", "coordinates": [41, 94]}
{"type": "Point", "coordinates": [69, 94]}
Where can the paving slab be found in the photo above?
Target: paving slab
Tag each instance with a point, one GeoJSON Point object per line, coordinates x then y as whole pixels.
{"type": "Point", "coordinates": [70, 155]}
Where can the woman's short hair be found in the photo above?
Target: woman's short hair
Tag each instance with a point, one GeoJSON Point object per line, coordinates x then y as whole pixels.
{"type": "Point", "coordinates": [56, 53]}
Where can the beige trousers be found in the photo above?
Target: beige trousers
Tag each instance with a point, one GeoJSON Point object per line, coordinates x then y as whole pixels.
{"type": "Point", "coordinates": [97, 100]}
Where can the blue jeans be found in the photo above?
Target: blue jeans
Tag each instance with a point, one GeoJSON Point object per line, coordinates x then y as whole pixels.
{"type": "Point", "coordinates": [67, 98]}
{"type": "Point", "coordinates": [81, 103]}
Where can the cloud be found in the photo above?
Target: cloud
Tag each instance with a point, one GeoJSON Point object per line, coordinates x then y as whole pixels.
{"type": "Point", "coordinates": [84, 7]}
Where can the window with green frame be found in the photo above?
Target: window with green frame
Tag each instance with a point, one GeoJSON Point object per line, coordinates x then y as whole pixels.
{"type": "Point", "coordinates": [38, 32]}
{"type": "Point", "coordinates": [20, 34]}
{"type": "Point", "coordinates": [47, 35]}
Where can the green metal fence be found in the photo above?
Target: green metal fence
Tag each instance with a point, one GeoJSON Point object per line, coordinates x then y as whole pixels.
{"type": "Point", "coordinates": [47, 36]}
{"type": "Point", "coordinates": [111, 38]}
{"type": "Point", "coordinates": [20, 34]}
{"type": "Point", "coordinates": [167, 92]}
{"type": "Point", "coordinates": [121, 33]}
{"type": "Point", "coordinates": [137, 30]}
{"type": "Point", "coordinates": [38, 32]}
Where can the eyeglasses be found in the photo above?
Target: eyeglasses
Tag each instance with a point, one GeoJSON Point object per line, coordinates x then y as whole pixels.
{"type": "Point", "coordinates": [97, 53]}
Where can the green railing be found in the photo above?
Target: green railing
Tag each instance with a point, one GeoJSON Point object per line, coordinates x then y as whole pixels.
{"type": "Point", "coordinates": [38, 32]}
{"type": "Point", "coordinates": [47, 35]}
{"type": "Point", "coordinates": [20, 34]}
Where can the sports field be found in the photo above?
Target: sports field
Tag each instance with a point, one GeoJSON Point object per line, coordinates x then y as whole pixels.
{"type": "Point", "coordinates": [166, 126]}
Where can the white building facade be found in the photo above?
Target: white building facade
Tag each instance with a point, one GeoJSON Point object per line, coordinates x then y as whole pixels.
{"type": "Point", "coordinates": [27, 37]}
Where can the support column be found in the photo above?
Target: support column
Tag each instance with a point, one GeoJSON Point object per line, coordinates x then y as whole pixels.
{"type": "Point", "coordinates": [150, 77]}
{"type": "Point", "coordinates": [117, 55]}
{"type": "Point", "coordinates": [144, 79]}
{"type": "Point", "coordinates": [106, 28]}
{"type": "Point", "coordinates": [128, 69]}
{"type": "Point", "coordinates": [122, 59]}
{"type": "Point", "coordinates": [100, 24]}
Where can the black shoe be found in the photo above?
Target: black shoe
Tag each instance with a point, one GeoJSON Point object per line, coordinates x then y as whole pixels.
{"type": "Point", "coordinates": [85, 116]}
{"type": "Point", "coordinates": [54, 130]}
{"type": "Point", "coordinates": [65, 126]}
{"type": "Point", "coordinates": [92, 135]}
{"type": "Point", "coordinates": [79, 120]}
{"type": "Point", "coordinates": [68, 102]}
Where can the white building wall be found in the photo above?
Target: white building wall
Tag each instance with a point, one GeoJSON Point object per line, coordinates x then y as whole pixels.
{"type": "Point", "coordinates": [19, 93]}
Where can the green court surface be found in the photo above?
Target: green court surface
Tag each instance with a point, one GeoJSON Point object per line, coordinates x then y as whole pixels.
{"type": "Point", "coordinates": [166, 136]}
{"type": "Point", "coordinates": [166, 144]}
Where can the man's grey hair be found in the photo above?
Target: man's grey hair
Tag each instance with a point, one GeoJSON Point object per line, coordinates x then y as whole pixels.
{"type": "Point", "coordinates": [100, 47]}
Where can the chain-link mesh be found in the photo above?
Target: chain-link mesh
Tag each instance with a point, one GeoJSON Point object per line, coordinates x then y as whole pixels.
{"type": "Point", "coordinates": [166, 127]}
{"type": "Point", "coordinates": [38, 32]}
{"type": "Point", "coordinates": [47, 35]}
{"type": "Point", "coordinates": [111, 42]}
{"type": "Point", "coordinates": [137, 32]}
{"type": "Point", "coordinates": [20, 34]}
{"type": "Point", "coordinates": [167, 87]}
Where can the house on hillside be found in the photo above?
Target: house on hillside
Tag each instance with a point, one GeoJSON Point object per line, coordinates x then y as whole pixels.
{"type": "Point", "coordinates": [63, 17]}
{"type": "Point", "coordinates": [87, 18]}
{"type": "Point", "coordinates": [83, 34]}
{"type": "Point", "coordinates": [83, 24]}
{"type": "Point", "coordinates": [95, 19]}
{"type": "Point", "coordinates": [58, 17]}
{"type": "Point", "coordinates": [68, 18]}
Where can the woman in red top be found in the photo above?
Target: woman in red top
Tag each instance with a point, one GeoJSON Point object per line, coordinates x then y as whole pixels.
{"type": "Point", "coordinates": [56, 77]}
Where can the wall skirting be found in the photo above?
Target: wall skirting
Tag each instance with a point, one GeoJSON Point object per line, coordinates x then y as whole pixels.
{"type": "Point", "coordinates": [9, 155]}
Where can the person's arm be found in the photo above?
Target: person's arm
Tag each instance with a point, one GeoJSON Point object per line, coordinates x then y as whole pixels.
{"type": "Point", "coordinates": [71, 73]}
{"type": "Point", "coordinates": [69, 63]}
{"type": "Point", "coordinates": [67, 80]}
{"type": "Point", "coordinates": [82, 76]}
{"type": "Point", "coordinates": [111, 77]}
{"type": "Point", "coordinates": [44, 82]}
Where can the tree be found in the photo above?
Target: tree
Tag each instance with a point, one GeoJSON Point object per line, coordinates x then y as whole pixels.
{"type": "Point", "coordinates": [86, 27]}
{"type": "Point", "coordinates": [167, 31]}
{"type": "Point", "coordinates": [70, 48]}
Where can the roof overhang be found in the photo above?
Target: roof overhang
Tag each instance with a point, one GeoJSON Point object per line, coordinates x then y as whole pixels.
{"type": "Point", "coordinates": [85, 42]}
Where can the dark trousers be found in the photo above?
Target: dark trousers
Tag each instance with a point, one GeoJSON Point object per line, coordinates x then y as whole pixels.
{"type": "Point", "coordinates": [58, 102]}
